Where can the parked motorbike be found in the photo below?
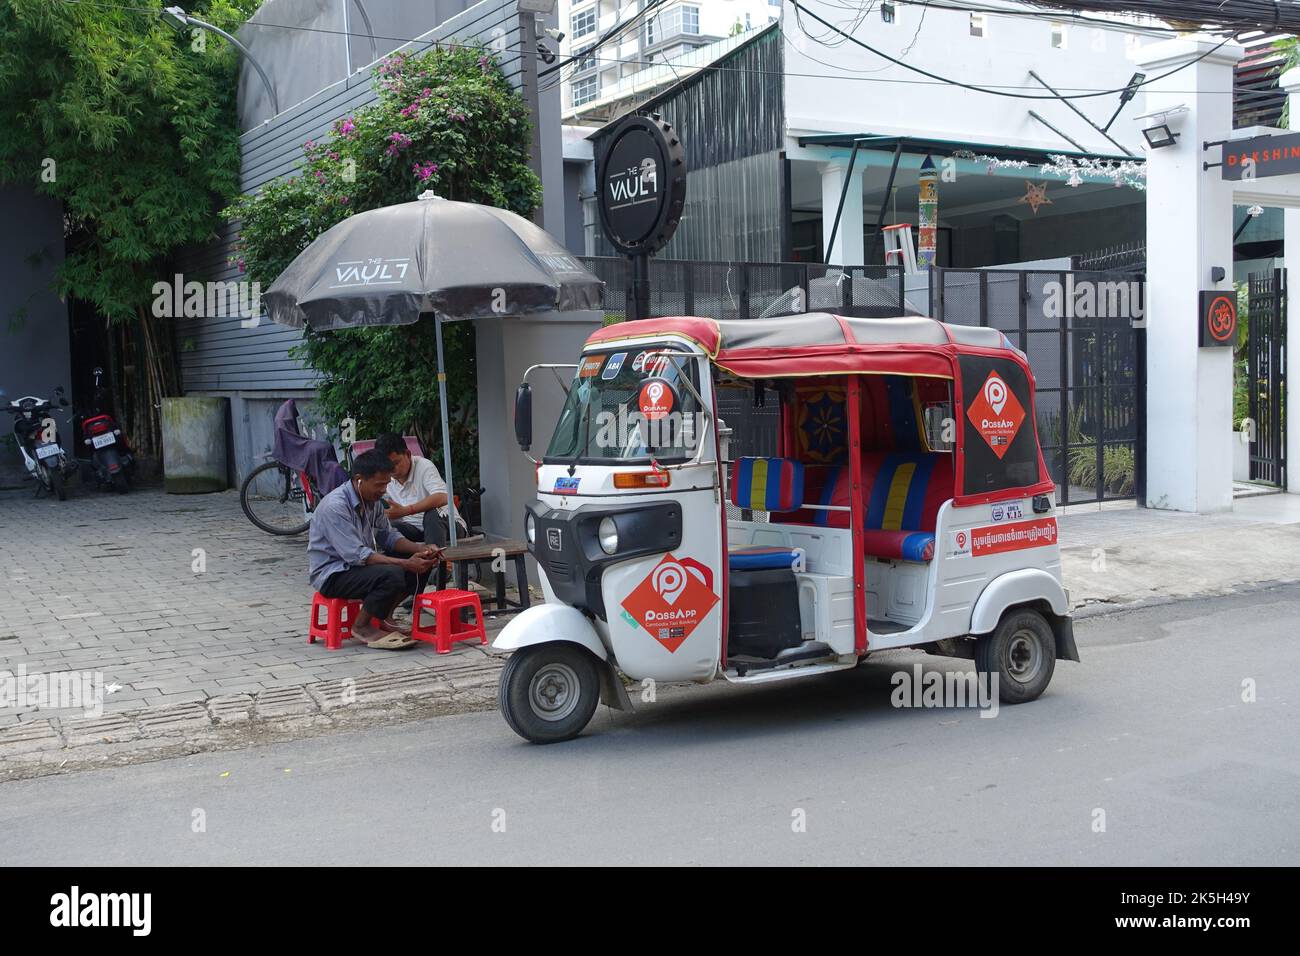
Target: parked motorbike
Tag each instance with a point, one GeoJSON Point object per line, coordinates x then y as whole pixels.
{"type": "Point", "coordinates": [37, 436]}
{"type": "Point", "coordinates": [111, 457]}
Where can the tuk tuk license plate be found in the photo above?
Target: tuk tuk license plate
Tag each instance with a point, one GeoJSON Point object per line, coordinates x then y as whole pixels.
{"type": "Point", "coordinates": [47, 451]}
{"type": "Point", "coordinates": [103, 441]}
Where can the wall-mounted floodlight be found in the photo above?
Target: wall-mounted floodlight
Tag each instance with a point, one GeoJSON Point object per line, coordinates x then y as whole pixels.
{"type": "Point", "coordinates": [1156, 129]}
{"type": "Point", "coordinates": [179, 20]}
{"type": "Point", "coordinates": [1159, 136]}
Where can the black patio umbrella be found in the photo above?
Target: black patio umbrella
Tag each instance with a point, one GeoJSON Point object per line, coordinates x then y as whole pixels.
{"type": "Point", "coordinates": [432, 257]}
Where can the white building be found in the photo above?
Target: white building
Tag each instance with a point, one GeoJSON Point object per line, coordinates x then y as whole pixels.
{"type": "Point", "coordinates": [653, 45]}
{"type": "Point", "coordinates": [770, 129]}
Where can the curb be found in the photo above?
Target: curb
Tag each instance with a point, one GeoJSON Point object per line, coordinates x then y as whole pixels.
{"type": "Point", "coordinates": [228, 722]}
{"type": "Point", "coordinates": [64, 744]}
{"type": "Point", "coordinates": [1102, 608]}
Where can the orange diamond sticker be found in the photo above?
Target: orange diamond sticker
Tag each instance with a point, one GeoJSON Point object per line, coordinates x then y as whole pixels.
{"type": "Point", "coordinates": [996, 414]}
{"type": "Point", "coordinates": [672, 600]}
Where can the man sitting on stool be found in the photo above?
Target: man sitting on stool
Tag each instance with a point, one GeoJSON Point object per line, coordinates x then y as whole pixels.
{"type": "Point", "coordinates": [419, 509]}
{"type": "Point", "coordinates": [354, 553]}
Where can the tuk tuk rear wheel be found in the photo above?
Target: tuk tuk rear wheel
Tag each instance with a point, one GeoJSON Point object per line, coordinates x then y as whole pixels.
{"type": "Point", "coordinates": [548, 692]}
{"type": "Point", "coordinates": [1021, 651]}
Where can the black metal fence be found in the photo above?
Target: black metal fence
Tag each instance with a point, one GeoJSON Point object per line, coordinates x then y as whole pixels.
{"type": "Point", "coordinates": [1266, 375]}
{"type": "Point", "coordinates": [1084, 334]}
{"type": "Point", "coordinates": [1081, 329]}
{"type": "Point", "coordinates": [752, 290]}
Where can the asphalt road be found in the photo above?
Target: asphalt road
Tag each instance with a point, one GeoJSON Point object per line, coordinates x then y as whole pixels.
{"type": "Point", "coordinates": [1150, 729]}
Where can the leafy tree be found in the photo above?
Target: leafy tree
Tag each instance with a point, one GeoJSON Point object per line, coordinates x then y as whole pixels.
{"type": "Point", "coordinates": [131, 126]}
{"type": "Point", "coordinates": [446, 120]}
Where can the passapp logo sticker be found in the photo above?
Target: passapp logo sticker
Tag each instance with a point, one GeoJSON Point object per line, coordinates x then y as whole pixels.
{"type": "Point", "coordinates": [590, 366]}
{"type": "Point", "coordinates": [961, 543]}
{"type": "Point", "coordinates": [672, 600]}
{"type": "Point", "coordinates": [996, 414]}
{"type": "Point", "coordinates": [1013, 537]}
{"type": "Point", "coordinates": [656, 400]}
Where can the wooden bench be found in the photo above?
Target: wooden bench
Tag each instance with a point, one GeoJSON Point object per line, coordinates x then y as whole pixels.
{"type": "Point", "coordinates": [463, 555]}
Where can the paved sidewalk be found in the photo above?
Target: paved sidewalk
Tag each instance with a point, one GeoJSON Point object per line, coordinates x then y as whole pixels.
{"type": "Point", "coordinates": [207, 650]}
{"type": "Point", "coordinates": [1119, 554]}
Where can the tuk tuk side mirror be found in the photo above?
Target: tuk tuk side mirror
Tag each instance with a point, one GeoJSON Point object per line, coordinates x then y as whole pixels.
{"type": "Point", "coordinates": [524, 416]}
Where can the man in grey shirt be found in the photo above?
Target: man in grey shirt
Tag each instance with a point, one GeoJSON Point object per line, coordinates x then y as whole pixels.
{"type": "Point", "coordinates": [354, 553]}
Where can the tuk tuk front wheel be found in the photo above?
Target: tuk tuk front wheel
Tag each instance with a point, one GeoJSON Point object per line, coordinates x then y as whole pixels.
{"type": "Point", "coordinates": [1021, 652]}
{"type": "Point", "coordinates": [548, 692]}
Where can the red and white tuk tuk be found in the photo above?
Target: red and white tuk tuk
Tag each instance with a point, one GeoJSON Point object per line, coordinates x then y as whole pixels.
{"type": "Point", "coordinates": [772, 499]}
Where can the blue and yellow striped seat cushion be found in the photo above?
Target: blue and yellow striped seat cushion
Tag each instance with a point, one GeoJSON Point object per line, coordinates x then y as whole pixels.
{"type": "Point", "coordinates": [767, 484]}
{"type": "Point", "coordinates": [902, 492]}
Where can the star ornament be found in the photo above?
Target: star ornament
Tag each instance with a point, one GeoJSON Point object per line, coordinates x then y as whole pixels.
{"type": "Point", "coordinates": [1035, 195]}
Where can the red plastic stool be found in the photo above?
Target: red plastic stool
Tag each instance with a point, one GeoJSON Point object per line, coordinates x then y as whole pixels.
{"type": "Point", "coordinates": [448, 628]}
{"type": "Point", "coordinates": [339, 615]}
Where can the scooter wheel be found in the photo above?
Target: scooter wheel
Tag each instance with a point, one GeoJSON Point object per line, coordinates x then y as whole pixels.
{"type": "Point", "coordinates": [1021, 652]}
{"type": "Point", "coordinates": [548, 692]}
{"type": "Point", "coordinates": [56, 484]}
{"type": "Point", "coordinates": [119, 483]}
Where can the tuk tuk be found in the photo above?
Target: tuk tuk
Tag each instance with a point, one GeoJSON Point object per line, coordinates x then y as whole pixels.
{"type": "Point", "coordinates": [773, 499]}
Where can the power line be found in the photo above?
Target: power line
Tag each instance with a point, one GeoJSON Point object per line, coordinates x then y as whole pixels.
{"type": "Point", "coordinates": [934, 80]}
{"type": "Point", "coordinates": [993, 90]}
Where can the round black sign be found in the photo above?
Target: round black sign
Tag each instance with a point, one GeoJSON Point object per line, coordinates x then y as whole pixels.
{"type": "Point", "coordinates": [642, 184]}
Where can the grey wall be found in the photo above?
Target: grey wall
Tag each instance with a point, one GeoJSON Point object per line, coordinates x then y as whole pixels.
{"type": "Point", "coordinates": [506, 348]}
{"type": "Point", "coordinates": [34, 349]}
{"type": "Point", "coordinates": [307, 45]}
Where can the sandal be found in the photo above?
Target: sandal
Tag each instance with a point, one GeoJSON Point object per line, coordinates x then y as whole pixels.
{"type": "Point", "coordinates": [391, 642]}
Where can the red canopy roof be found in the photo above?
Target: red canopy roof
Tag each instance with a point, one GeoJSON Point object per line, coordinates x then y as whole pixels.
{"type": "Point", "coordinates": [818, 343]}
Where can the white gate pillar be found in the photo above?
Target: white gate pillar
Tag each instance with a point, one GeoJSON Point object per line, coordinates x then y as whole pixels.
{"type": "Point", "coordinates": [847, 249]}
{"type": "Point", "coordinates": [1189, 231]}
{"type": "Point", "coordinates": [1290, 82]}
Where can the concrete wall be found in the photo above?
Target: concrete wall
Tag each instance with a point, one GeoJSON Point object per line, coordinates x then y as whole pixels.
{"type": "Point", "coordinates": [34, 350]}
{"type": "Point", "coordinates": [506, 348]}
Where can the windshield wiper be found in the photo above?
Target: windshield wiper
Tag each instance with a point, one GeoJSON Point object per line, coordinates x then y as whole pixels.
{"type": "Point", "coordinates": [584, 426]}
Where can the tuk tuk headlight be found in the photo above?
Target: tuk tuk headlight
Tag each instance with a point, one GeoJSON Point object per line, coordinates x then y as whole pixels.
{"type": "Point", "coordinates": [530, 528]}
{"type": "Point", "coordinates": [607, 535]}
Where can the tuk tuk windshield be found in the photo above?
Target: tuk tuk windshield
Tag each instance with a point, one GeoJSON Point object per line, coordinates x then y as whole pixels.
{"type": "Point", "coordinates": [630, 405]}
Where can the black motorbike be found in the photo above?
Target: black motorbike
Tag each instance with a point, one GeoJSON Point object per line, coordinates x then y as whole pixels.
{"type": "Point", "coordinates": [37, 436]}
{"type": "Point", "coordinates": [111, 458]}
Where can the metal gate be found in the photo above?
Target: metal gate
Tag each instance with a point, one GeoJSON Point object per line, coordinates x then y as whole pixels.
{"type": "Point", "coordinates": [1266, 375]}
{"type": "Point", "coordinates": [1085, 337]}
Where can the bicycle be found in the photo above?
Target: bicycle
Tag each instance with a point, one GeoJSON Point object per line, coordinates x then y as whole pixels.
{"type": "Point", "coordinates": [278, 499]}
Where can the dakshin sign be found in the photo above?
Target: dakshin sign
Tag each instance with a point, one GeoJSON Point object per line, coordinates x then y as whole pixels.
{"type": "Point", "coordinates": [672, 600]}
{"type": "Point", "coordinates": [1261, 156]}
{"type": "Point", "coordinates": [996, 414]}
{"type": "Point", "coordinates": [1217, 327]}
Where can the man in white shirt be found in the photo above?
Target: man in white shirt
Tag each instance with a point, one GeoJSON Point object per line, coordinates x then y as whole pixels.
{"type": "Point", "coordinates": [419, 509]}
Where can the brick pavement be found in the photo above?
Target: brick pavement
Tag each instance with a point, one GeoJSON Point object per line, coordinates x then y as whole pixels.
{"type": "Point", "coordinates": [109, 584]}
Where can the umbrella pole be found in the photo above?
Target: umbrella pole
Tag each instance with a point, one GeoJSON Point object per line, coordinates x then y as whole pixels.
{"type": "Point", "coordinates": [446, 431]}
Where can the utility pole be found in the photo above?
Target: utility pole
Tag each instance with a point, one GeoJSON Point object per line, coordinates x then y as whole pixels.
{"type": "Point", "coordinates": [529, 10]}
